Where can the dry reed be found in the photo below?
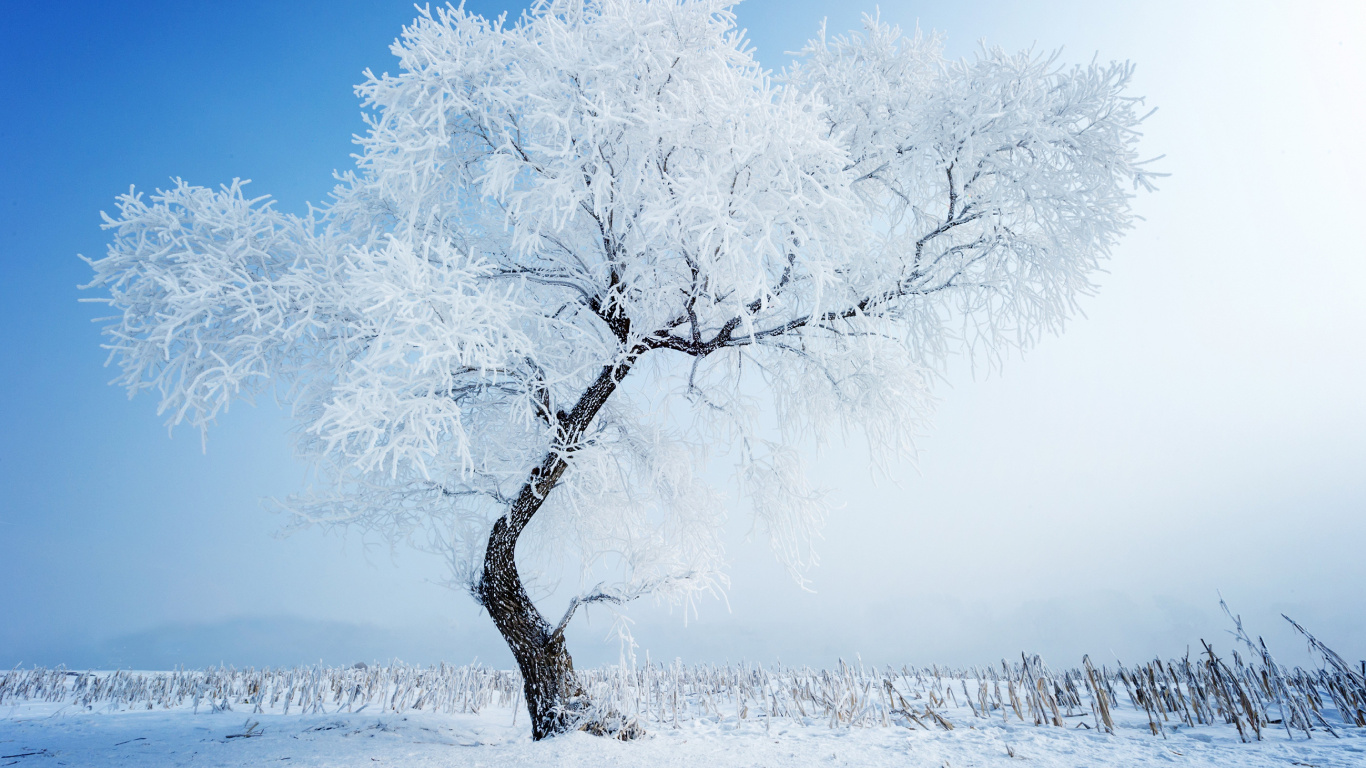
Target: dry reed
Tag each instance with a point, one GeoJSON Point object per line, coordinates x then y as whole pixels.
{"type": "Point", "coordinates": [1252, 695]}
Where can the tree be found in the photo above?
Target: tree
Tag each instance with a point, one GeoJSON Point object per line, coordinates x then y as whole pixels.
{"type": "Point", "coordinates": [580, 250]}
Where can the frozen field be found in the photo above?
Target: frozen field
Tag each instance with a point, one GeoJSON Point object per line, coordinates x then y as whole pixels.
{"type": "Point", "coordinates": [40, 735]}
{"type": "Point", "coordinates": [1183, 712]}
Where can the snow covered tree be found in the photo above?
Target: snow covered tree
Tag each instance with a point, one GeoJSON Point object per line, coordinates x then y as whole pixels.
{"type": "Point", "coordinates": [586, 252]}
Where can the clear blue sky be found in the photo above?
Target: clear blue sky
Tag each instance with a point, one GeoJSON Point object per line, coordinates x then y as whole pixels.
{"type": "Point", "coordinates": [1201, 429]}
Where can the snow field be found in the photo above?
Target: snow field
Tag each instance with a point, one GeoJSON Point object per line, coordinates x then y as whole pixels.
{"type": "Point", "coordinates": [51, 734]}
{"type": "Point", "coordinates": [1183, 712]}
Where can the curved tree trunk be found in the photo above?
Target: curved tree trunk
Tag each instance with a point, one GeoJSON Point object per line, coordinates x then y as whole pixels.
{"type": "Point", "coordinates": [547, 671]}
{"type": "Point", "coordinates": [552, 693]}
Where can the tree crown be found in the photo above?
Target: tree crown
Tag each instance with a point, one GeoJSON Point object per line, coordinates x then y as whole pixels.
{"type": "Point", "coordinates": [541, 208]}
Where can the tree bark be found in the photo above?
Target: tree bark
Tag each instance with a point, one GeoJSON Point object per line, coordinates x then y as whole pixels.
{"type": "Point", "coordinates": [547, 670]}
{"type": "Point", "coordinates": [553, 696]}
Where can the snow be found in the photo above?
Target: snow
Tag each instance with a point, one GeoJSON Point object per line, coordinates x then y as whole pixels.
{"type": "Point", "coordinates": [544, 206]}
{"type": "Point", "coordinates": [51, 734]}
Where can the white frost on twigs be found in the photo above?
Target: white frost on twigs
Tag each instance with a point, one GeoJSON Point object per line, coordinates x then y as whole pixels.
{"type": "Point", "coordinates": [619, 185]}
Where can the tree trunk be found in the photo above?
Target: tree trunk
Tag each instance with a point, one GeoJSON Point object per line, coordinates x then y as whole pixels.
{"type": "Point", "coordinates": [553, 696]}
{"type": "Point", "coordinates": [548, 681]}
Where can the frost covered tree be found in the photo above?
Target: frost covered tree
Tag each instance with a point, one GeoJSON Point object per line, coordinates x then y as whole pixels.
{"type": "Point", "coordinates": [584, 253]}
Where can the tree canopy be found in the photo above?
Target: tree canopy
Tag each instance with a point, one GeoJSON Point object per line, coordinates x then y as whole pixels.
{"type": "Point", "coordinates": [584, 251]}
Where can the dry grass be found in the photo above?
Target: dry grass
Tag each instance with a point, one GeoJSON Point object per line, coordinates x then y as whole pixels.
{"type": "Point", "coordinates": [1253, 695]}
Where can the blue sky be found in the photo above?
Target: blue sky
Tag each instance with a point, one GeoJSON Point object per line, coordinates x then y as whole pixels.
{"type": "Point", "coordinates": [1200, 429]}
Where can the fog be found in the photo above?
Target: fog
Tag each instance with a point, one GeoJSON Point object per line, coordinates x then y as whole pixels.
{"type": "Point", "coordinates": [1200, 430]}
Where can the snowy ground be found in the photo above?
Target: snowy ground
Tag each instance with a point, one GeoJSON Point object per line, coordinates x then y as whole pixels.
{"type": "Point", "coordinates": [36, 735]}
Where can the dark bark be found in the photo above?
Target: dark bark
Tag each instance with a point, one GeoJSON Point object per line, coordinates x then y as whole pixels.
{"type": "Point", "coordinates": [553, 696]}
{"type": "Point", "coordinates": [547, 670]}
